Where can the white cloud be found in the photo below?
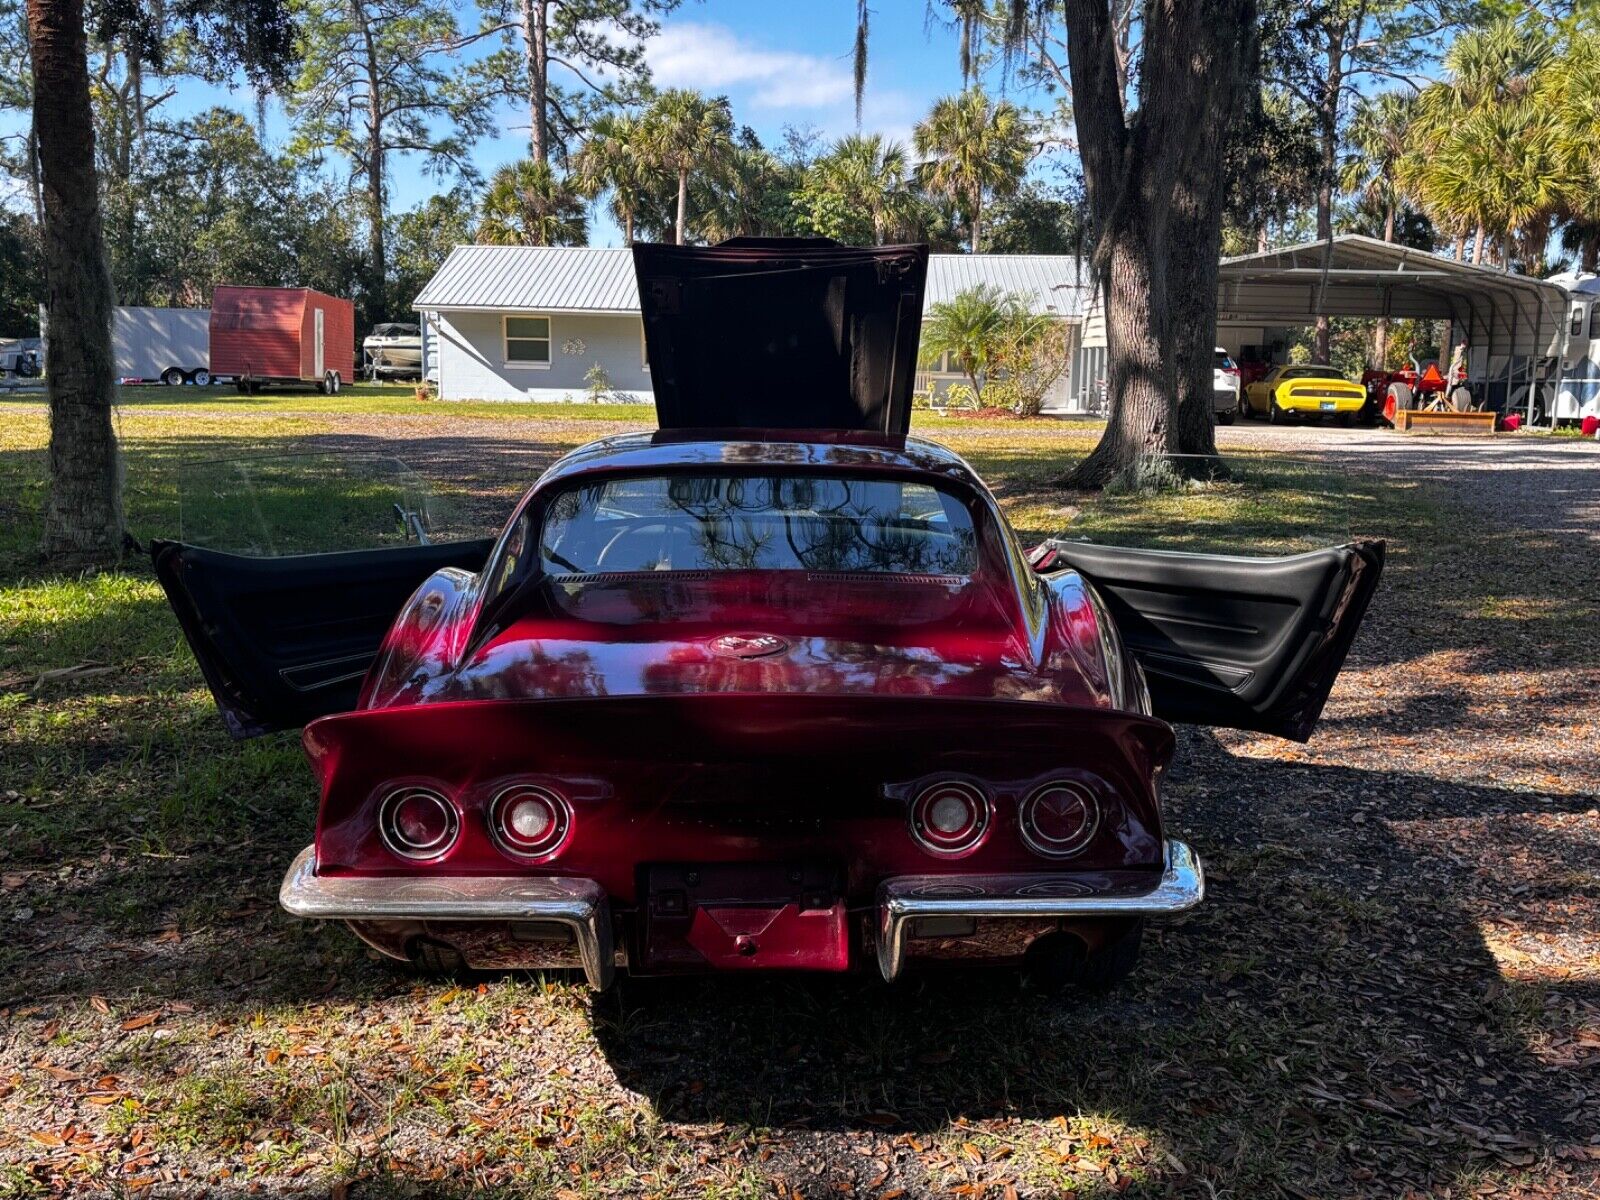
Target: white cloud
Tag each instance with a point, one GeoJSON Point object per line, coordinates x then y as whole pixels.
{"type": "Point", "coordinates": [709, 57]}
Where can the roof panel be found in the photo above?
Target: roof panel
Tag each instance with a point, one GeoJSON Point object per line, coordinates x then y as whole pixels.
{"type": "Point", "coordinates": [592, 279]}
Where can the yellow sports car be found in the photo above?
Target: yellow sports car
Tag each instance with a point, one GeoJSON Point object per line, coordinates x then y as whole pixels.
{"type": "Point", "coordinates": [1306, 391]}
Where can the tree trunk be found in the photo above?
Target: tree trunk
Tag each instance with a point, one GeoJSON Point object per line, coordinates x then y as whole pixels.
{"type": "Point", "coordinates": [627, 227]}
{"type": "Point", "coordinates": [377, 266]}
{"type": "Point", "coordinates": [1589, 256]}
{"type": "Point", "coordinates": [83, 513]}
{"type": "Point", "coordinates": [1380, 331]}
{"type": "Point", "coordinates": [683, 203]}
{"type": "Point", "coordinates": [1328, 168]}
{"type": "Point", "coordinates": [1145, 198]}
{"type": "Point", "coordinates": [1477, 247]}
{"type": "Point", "coordinates": [977, 220]}
{"type": "Point", "coordinates": [1139, 366]}
{"type": "Point", "coordinates": [536, 55]}
{"type": "Point", "coordinates": [1196, 236]}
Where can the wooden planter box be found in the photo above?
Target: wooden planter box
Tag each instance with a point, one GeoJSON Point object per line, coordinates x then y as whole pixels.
{"type": "Point", "coordinates": [1416, 420]}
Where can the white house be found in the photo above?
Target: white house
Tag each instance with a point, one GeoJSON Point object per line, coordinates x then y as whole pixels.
{"type": "Point", "coordinates": [534, 322]}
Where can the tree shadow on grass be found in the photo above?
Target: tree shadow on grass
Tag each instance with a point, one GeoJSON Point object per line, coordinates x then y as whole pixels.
{"type": "Point", "coordinates": [1330, 1020]}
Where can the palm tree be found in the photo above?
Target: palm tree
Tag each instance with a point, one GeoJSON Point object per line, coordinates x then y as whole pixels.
{"type": "Point", "coordinates": [971, 328]}
{"type": "Point", "coordinates": [1575, 84]}
{"type": "Point", "coordinates": [748, 197]}
{"type": "Point", "coordinates": [1379, 138]}
{"type": "Point", "coordinates": [611, 160]}
{"type": "Point", "coordinates": [872, 176]}
{"type": "Point", "coordinates": [972, 147]}
{"type": "Point", "coordinates": [683, 132]}
{"type": "Point", "coordinates": [1486, 147]}
{"type": "Point", "coordinates": [528, 204]}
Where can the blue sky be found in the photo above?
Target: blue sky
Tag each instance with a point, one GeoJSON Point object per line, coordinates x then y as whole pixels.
{"type": "Point", "coordinates": [780, 62]}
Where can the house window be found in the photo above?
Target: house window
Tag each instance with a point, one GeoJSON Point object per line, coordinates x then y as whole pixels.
{"type": "Point", "coordinates": [527, 341]}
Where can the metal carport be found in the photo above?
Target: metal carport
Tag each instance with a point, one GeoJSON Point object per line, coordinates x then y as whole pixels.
{"type": "Point", "coordinates": [1513, 325]}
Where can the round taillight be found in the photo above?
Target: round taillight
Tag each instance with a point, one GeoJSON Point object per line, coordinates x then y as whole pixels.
{"type": "Point", "coordinates": [417, 823]}
{"type": "Point", "coordinates": [529, 822]}
{"type": "Point", "coordinates": [950, 817]}
{"type": "Point", "coordinates": [1059, 819]}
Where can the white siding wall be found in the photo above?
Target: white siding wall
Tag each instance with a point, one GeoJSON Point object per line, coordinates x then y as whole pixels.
{"type": "Point", "coordinates": [471, 358]}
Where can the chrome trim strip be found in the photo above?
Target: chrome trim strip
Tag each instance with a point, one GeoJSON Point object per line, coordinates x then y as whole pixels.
{"type": "Point", "coordinates": [579, 904]}
{"type": "Point", "coordinates": [1181, 887]}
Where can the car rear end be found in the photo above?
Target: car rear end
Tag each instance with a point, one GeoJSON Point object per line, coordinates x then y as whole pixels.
{"type": "Point", "coordinates": [1328, 397]}
{"type": "Point", "coordinates": [1225, 385]}
{"type": "Point", "coordinates": [733, 832]}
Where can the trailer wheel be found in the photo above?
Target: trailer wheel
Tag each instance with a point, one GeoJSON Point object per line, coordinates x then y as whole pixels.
{"type": "Point", "coordinates": [200, 377]}
{"type": "Point", "coordinates": [1460, 399]}
{"type": "Point", "coordinates": [172, 377]}
{"type": "Point", "coordinates": [337, 383]}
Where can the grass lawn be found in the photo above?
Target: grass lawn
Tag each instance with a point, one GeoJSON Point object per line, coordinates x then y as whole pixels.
{"type": "Point", "coordinates": [1336, 1020]}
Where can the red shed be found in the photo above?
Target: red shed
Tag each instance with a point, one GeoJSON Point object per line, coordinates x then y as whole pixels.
{"type": "Point", "coordinates": [263, 335]}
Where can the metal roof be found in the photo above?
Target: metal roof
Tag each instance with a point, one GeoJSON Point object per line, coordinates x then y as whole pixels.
{"type": "Point", "coordinates": [535, 279]}
{"type": "Point", "coordinates": [1050, 283]}
{"type": "Point", "coordinates": [1365, 277]}
{"type": "Point", "coordinates": [594, 280]}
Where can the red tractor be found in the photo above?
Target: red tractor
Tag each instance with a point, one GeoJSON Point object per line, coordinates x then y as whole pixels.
{"type": "Point", "coordinates": [1415, 385]}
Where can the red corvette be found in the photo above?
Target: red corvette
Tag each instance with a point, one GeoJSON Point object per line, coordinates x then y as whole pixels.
{"type": "Point", "coordinates": [773, 688]}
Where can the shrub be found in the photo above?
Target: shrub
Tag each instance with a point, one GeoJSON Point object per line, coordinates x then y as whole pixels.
{"type": "Point", "coordinates": [598, 381]}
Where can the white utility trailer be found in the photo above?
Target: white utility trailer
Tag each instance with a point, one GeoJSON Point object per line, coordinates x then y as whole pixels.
{"type": "Point", "coordinates": [170, 345]}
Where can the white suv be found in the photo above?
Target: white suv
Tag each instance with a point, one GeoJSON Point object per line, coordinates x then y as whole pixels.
{"type": "Point", "coordinates": [1225, 387]}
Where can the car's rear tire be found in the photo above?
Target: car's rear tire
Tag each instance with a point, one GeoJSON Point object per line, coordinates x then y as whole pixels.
{"type": "Point", "coordinates": [1058, 961]}
{"type": "Point", "coordinates": [1275, 415]}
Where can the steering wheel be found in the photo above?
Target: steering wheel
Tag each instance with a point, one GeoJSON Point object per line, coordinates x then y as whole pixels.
{"type": "Point", "coordinates": [660, 530]}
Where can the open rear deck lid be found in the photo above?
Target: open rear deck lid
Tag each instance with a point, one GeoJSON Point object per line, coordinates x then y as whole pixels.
{"type": "Point", "coordinates": [782, 333]}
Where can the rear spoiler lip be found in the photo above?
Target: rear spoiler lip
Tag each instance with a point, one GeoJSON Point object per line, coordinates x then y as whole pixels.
{"type": "Point", "coordinates": [316, 730]}
{"type": "Point", "coordinates": [739, 719]}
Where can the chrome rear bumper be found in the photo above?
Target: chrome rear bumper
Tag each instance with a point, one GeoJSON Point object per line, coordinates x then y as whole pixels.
{"type": "Point", "coordinates": [908, 898]}
{"type": "Point", "coordinates": [581, 905]}
{"type": "Point", "coordinates": [578, 904]}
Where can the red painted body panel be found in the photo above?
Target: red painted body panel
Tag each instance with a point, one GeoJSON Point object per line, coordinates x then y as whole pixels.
{"type": "Point", "coordinates": [716, 778]}
{"type": "Point", "coordinates": [266, 333]}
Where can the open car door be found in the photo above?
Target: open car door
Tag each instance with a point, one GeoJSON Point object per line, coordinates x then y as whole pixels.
{"type": "Point", "coordinates": [1226, 640]}
{"type": "Point", "coordinates": [284, 629]}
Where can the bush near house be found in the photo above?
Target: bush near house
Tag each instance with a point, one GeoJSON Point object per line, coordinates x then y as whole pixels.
{"type": "Point", "coordinates": [1010, 356]}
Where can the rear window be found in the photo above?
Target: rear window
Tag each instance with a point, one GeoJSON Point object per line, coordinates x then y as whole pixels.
{"type": "Point", "coordinates": [757, 523]}
{"type": "Point", "coordinates": [1223, 362]}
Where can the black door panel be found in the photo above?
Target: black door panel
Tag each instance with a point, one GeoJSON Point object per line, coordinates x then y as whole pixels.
{"type": "Point", "coordinates": [284, 640]}
{"type": "Point", "coordinates": [1238, 643]}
